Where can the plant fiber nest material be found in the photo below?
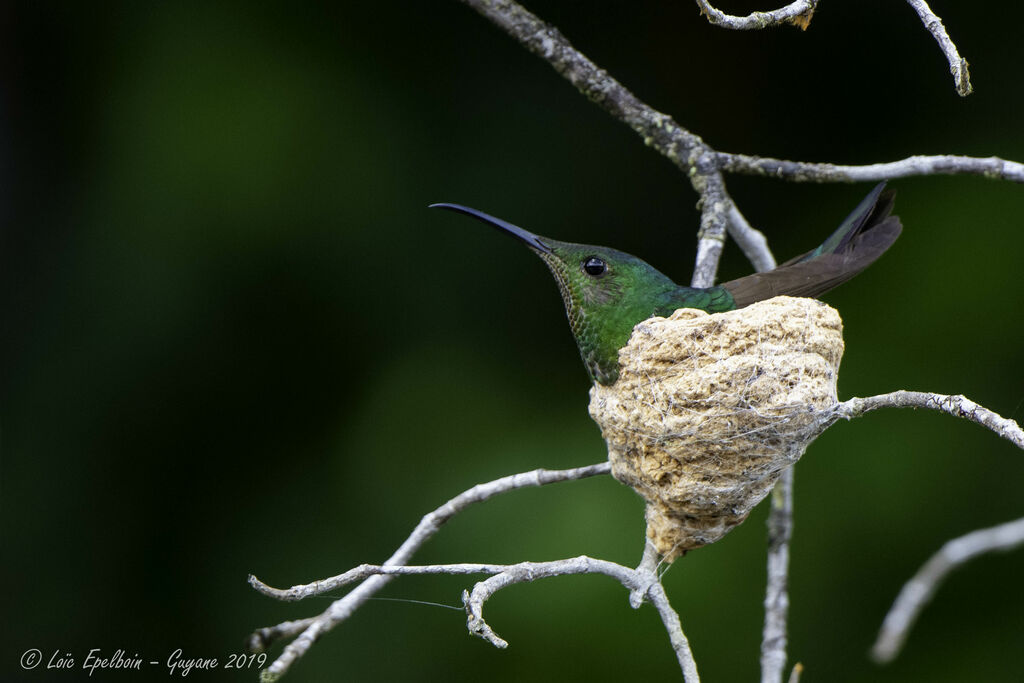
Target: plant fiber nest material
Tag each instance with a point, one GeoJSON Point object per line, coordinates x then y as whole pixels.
{"type": "Point", "coordinates": [709, 409]}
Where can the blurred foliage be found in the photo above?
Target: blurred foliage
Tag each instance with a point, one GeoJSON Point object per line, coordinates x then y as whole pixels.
{"type": "Point", "coordinates": [236, 341]}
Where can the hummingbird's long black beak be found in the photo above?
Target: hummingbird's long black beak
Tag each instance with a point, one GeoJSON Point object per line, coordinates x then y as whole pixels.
{"type": "Point", "coordinates": [532, 241]}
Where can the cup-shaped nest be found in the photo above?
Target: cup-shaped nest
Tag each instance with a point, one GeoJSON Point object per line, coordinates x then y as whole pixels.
{"type": "Point", "coordinates": [709, 409]}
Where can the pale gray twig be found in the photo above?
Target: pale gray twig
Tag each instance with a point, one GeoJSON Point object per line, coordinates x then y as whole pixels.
{"type": "Point", "coordinates": [957, 406]}
{"type": "Point", "coordinates": [801, 171]}
{"type": "Point", "coordinates": [776, 595]}
{"type": "Point", "coordinates": [919, 590]}
{"type": "Point", "coordinates": [751, 241]}
{"type": "Point", "coordinates": [262, 638]}
{"type": "Point", "coordinates": [798, 13]}
{"type": "Point", "coordinates": [637, 580]}
{"type": "Point", "coordinates": [648, 567]}
{"type": "Point", "coordinates": [365, 571]}
{"type": "Point", "coordinates": [957, 64]}
{"type": "Point", "coordinates": [342, 608]}
{"type": "Point", "coordinates": [780, 516]}
{"type": "Point", "coordinates": [656, 594]}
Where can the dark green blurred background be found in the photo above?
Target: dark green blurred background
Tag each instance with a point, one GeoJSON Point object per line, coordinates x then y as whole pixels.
{"type": "Point", "coordinates": [235, 340]}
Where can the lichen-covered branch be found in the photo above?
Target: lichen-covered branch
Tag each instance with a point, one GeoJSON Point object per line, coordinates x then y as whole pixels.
{"type": "Point", "coordinates": [658, 130]}
{"type": "Point", "coordinates": [801, 171]}
{"type": "Point", "coordinates": [715, 206]}
{"type": "Point", "coordinates": [798, 13]}
{"type": "Point", "coordinates": [957, 64]}
{"type": "Point", "coordinates": [919, 590]}
{"type": "Point", "coordinates": [310, 630]}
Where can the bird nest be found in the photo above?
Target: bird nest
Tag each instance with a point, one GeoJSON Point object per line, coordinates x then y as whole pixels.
{"type": "Point", "coordinates": [709, 409]}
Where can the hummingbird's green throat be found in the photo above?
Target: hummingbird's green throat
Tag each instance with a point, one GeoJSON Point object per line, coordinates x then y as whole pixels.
{"type": "Point", "coordinates": [606, 291]}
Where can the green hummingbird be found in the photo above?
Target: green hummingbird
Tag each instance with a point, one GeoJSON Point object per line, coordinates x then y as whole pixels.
{"type": "Point", "coordinates": [606, 292]}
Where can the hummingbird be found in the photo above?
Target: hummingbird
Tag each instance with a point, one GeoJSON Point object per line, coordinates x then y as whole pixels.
{"type": "Point", "coordinates": [606, 291]}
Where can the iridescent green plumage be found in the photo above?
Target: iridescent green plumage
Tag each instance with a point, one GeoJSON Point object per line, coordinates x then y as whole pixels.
{"type": "Point", "coordinates": [607, 292]}
{"type": "Point", "coordinates": [603, 309]}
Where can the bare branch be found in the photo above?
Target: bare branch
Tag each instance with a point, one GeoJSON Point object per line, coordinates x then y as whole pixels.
{"type": "Point", "coordinates": [640, 579]}
{"type": "Point", "coordinates": [801, 171]}
{"type": "Point", "coordinates": [751, 240]}
{"type": "Point", "coordinates": [776, 597]}
{"type": "Point", "coordinates": [780, 519]}
{"type": "Point", "coordinates": [659, 131]}
{"type": "Point", "coordinates": [957, 64]}
{"type": "Point", "coordinates": [798, 13]}
{"type": "Point", "coordinates": [919, 590]}
{"type": "Point", "coordinates": [669, 617]}
{"type": "Point", "coordinates": [261, 639]}
{"type": "Point", "coordinates": [648, 569]}
{"type": "Point", "coordinates": [364, 571]}
{"type": "Point", "coordinates": [714, 217]}
{"type": "Point", "coordinates": [957, 406]}
{"type": "Point", "coordinates": [703, 165]}
{"type": "Point", "coordinates": [530, 571]}
{"type": "Point", "coordinates": [341, 609]}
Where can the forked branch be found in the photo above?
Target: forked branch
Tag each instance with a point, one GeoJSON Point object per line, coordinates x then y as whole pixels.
{"type": "Point", "coordinates": [307, 631]}
{"type": "Point", "coordinates": [704, 167]}
{"type": "Point", "coordinates": [658, 130]}
{"type": "Point", "coordinates": [642, 582]}
{"type": "Point", "coordinates": [800, 12]}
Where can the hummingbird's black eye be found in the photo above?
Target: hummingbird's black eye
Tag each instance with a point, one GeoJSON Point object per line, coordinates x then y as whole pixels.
{"type": "Point", "coordinates": [592, 265]}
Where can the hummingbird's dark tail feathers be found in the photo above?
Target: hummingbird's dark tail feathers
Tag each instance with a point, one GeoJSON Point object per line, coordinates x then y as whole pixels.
{"type": "Point", "coordinates": [864, 236]}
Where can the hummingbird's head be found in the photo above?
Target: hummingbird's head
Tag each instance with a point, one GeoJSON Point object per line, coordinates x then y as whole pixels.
{"type": "Point", "coordinates": [606, 291]}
